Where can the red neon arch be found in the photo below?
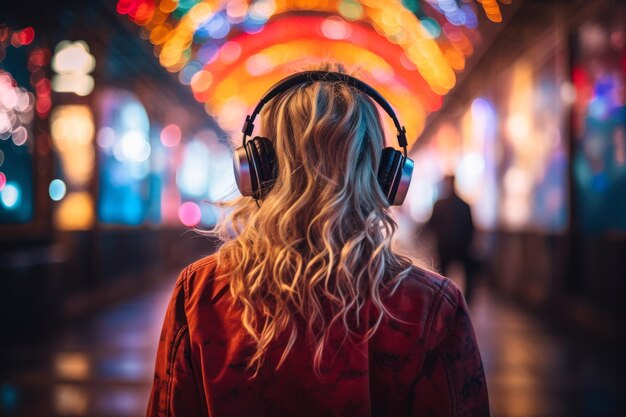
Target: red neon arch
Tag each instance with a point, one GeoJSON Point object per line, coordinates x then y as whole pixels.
{"type": "Point", "coordinates": [291, 28]}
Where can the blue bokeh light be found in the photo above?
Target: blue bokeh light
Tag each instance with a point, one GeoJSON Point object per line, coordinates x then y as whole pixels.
{"type": "Point", "coordinates": [57, 189]}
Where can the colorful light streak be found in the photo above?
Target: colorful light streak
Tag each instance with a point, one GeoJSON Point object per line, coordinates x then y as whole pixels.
{"type": "Point", "coordinates": [297, 55]}
{"type": "Point", "coordinates": [210, 41]}
{"type": "Point", "coordinates": [361, 43]}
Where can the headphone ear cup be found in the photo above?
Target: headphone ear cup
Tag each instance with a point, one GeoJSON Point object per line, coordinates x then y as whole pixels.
{"type": "Point", "coordinates": [394, 175]}
{"type": "Point", "coordinates": [267, 157]}
{"type": "Point", "coordinates": [387, 170]}
{"type": "Point", "coordinates": [241, 168]}
{"type": "Point", "coordinates": [263, 165]}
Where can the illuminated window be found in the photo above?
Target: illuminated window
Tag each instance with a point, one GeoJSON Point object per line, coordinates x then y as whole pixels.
{"type": "Point", "coordinates": [124, 153]}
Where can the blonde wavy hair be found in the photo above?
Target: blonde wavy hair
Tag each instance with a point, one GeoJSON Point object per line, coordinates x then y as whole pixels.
{"type": "Point", "coordinates": [318, 247]}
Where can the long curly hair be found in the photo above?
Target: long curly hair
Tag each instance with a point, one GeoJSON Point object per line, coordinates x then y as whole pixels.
{"type": "Point", "coordinates": [318, 246]}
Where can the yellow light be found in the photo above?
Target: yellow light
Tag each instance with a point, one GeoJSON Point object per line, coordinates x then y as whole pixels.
{"type": "Point", "coordinates": [528, 157]}
{"type": "Point", "coordinates": [178, 65]}
{"type": "Point", "coordinates": [79, 84]}
{"type": "Point", "coordinates": [519, 121]}
{"type": "Point", "coordinates": [71, 125]}
{"type": "Point", "coordinates": [455, 59]}
{"type": "Point", "coordinates": [201, 81]}
{"type": "Point", "coordinates": [231, 115]}
{"type": "Point", "coordinates": [447, 143]}
{"type": "Point", "coordinates": [227, 88]}
{"type": "Point", "coordinates": [170, 56]}
{"type": "Point", "coordinates": [73, 62]}
{"type": "Point", "coordinates": [182, 36]}
{"type": "Point", "coordinates": [350, 9]}
{"type": "Point", "coordinates": [70, 399]}
{"type": "Point", "coordinates": [388, 17]}
{"type": "Point", "coordinates": [75, 212]}
{"type": "Point", "coordinates": [492, 10]}
{"type": "Point", "coordinates": [71, 366]}
{"type": "Point", "coordinates": [168, 6]}
{"type": "Point", "coordinates": [435, 61]}
{"type": "Point", "coordinates": [224, 100]}
{"type": "Point", "coordinates": [495, 16]}
{"type": "Point", "coordinates": [160, 34]}
{"type": "Point", "coordinates": [72, 129]}
{"type": "Point", "coordinates": [73, 58]}
{"type": "Point", "coordinates": [200, 13]}
{"type": "Point", "coordinates": [159, 17]}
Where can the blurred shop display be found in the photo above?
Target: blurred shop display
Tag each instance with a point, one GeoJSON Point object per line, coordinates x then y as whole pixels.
{"type": "Point", "coordinates": [24, 96]}
{"type": "Point", "coordinates": [598, 98]}
{"type": "Point", "coordinates": [76, 152]}
{"type": "Point", "coordinates": [539, 152]}
{"type": "Point", "coordinates": [507, 150]}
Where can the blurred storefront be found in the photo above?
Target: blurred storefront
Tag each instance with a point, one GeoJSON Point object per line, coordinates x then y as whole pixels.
{"type": "Point", "coordinates": [535, 137]}
{"type": "Point", "coordinates": [104, 162]}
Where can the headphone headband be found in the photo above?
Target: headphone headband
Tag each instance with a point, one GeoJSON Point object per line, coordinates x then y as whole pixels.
{"type": "Point", "coordinates": [330, 76]}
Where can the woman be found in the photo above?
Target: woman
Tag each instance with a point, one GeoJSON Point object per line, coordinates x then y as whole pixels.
{"type": "Point", "coordinates": [305, 310]}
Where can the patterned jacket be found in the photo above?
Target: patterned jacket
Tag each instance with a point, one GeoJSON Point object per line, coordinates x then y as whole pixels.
{"type": "Point", "coordinates": [425, 362]}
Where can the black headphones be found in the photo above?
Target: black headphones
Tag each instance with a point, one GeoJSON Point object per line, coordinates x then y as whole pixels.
{"type": "Point", "coordinates": [255, 161]}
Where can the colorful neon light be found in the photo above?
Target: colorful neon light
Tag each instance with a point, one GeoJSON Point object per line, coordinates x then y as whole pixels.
{"type": "Point", "coordinates": [219, 46]}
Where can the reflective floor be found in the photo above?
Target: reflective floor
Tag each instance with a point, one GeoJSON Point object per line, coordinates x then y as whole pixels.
{"type": "Point", "coordinates": [533, 368]}
{"type": "Point", "coordinates": [103, 366]}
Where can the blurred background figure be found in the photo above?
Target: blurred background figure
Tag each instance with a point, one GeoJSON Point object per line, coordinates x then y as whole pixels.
{"type": "Point", "coordinates": [452, 225]}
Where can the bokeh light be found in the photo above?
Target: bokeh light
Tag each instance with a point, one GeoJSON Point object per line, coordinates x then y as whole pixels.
{"type": "Point", "coordinates": [192, 176]}
{"type": "Point", "coordinates": [133, 146]}
{"type": "Point", "coordinates": [75, 212]}
{"type": "Point", "coordinates": [189, 214]}
{"type": "Point", "coordinates": [171, 135]}
{"type": "Point", "coordinates": [57, 189]}
{"type": "Point", "coordinates": [72, 62]}
{"type": "Point", "coordinates": [210, 43]}
{"type": "Point", "coordinates": [10, 195]}
{"type": "Point", "coordinates": [72, 128]}
{"type": "Point", "coordinates": [16, 110]}
{"type": "Point", "coordinates": [106, 137]}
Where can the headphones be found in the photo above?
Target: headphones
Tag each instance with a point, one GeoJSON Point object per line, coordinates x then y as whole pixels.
{"type": "Point", "coordinates": [255, 161]}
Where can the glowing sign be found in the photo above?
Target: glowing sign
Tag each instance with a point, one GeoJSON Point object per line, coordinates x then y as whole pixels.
{"type": "Point", "coordinates": [72, 62]}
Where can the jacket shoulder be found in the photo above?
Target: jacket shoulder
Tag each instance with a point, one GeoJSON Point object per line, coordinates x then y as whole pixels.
{"type": "Point", "coordinates": [436, 297]}
{"type": "Point", "coordinates": [199, 278]}
{"type": "Point", "coordinates": [208, 262]}
{"type": "Point", "coordinates": [442, 286]}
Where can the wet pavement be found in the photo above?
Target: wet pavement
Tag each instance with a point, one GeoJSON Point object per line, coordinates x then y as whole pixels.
{"type": "Point", "coordinates": [100, 367]}
{"type": "Point", "coordinates": [534, 368]}
{"type": "Point", "coordinates": [103, 365]}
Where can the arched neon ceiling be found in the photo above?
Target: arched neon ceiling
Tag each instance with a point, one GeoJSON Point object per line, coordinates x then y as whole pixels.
{"type": "Point", "coordinates": [229, 52]}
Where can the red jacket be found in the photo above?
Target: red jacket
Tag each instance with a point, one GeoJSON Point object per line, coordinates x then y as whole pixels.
{"type": "Point", "coordinates": [425, 364]}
